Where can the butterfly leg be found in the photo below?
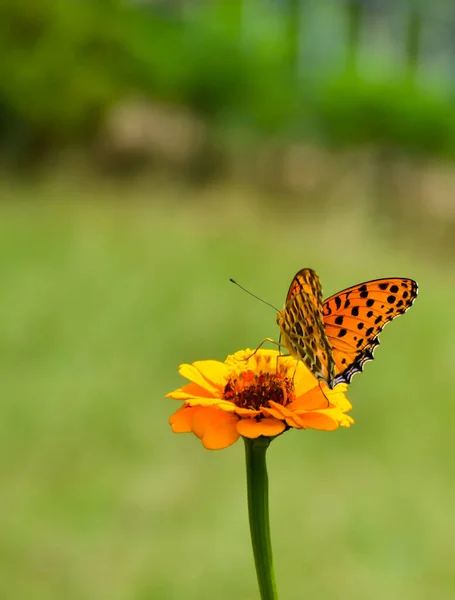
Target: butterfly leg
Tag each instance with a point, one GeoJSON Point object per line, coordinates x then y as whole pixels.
{"type": "Point", "coordinates": [263, 342]}
{"type": "Point", "coordinates": [282, 355]}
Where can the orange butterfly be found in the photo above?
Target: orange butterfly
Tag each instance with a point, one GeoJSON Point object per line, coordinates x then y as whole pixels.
{"type": "Point", "coordinates": [336, 337]}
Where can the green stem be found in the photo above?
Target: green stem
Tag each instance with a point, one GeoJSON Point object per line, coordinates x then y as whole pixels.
{"type": "Point", "coordinates": [258, 510]}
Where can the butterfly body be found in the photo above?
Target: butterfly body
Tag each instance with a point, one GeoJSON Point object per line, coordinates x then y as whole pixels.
{"type": "Point", "coordinates": [335, 337]}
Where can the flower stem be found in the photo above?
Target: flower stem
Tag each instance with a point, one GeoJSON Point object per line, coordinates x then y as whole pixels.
{"type": "Point", "coordinates": [258, 510]}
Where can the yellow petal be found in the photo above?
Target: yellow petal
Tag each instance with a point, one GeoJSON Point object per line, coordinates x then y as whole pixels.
{"type": "Point", "coordinates": [194, 374]}
{"type": "Point", "coordinates": [304, 380]}
{"type": "Point", "coordinates": [214, 371]}
{"type": "Point", "coordinates": [192, 390]}
{"type": "Point", "coordinates": [338, 398]}
{"type": "Point", "coordinates": [251, 428]}
{"type": "Point", "coordinates": [347, 421]}
{"type": "Point", "coordinates": [216, 428]}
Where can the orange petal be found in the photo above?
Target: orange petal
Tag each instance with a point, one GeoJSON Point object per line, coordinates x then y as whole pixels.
{"type": "Point", "coordinates": [277, 410]}
{"type": "Point", "coordinates": [295, 421]}
{"type": "Point", "coordinates": [181, 420]}
{"type": "Point", "coordinates": [313, 399]}
{"type": "Point", "coordinates": [318, 420]}
{"type": "Point", "coordinates": [216, 428]}
{"type": "Point", "coordinates": [251, 428]}
{"type": "Point", "coordinates": [215, 402]}
{"type": "Point", "coordinates": [272, 411]}
{"type": "Point", "coordinates": [247, 412]}
{"type": "Point", "coordinates": [192, 390]}
{"type": "Point", "coordinates": [282, 412]}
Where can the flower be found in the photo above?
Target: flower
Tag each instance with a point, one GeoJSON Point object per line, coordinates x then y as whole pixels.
{"type": "Point", "coordinates": [252, 394]}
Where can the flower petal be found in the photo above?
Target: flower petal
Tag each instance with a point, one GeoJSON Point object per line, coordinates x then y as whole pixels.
{"type": "Point", "coordinates": [246, 412]}
{"type": "Point", "coordinates": [312, 399]}
{"type": "Point", "coordinates": [192, 390]}
{"type": "Point", "coordinates": [251, 428]}
{"type": "Point", "coordinates": [195, 375]}
{"type": "Point", "coordinates": [338, 398]}
{"type": "Point", "coordinates": [282, 412]}
{"type": "Point", "coordinates": [216, 428]}
{"type": "Point", "coordinates": [215, 402]}
{"type": "Point", "coordinates": [181, 420]}
{"type": "Point", "coordinates": [304, 380]}
{"type": "Point", "coordinates": [274, 410]}
{"type": "Point", "coordinates": [318, 420]}
{"type": "Point", "coordinates": [214, 371]}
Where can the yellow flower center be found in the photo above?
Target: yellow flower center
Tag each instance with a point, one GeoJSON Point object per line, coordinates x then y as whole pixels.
{"type": "Point", "coordinates": [253, 390]}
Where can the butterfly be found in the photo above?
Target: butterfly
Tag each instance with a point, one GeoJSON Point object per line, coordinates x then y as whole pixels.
{"type": "Point", "coordinates": [335, 337]}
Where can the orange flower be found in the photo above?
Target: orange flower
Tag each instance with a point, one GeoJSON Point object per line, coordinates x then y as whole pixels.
{"type": "Point", "coordinates": [252, 395]}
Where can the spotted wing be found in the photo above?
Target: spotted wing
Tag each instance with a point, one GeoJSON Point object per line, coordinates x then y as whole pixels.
{"type": "Point", "coordinates": [306, 281]}
{"type": "Point", "coordinates": [302, 327]}
{"type": "Point", "coordinates": [355, 317]}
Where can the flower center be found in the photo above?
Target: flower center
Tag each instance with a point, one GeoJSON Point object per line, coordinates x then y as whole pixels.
{"type": "Point", "coordinates": [250, 390]}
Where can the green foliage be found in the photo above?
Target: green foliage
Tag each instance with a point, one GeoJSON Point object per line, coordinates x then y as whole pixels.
{"type": "Point", "coordinates": [64, 64]}
{"type": "Point", "coordinates": [57, 72]}
{"type": "Point", "coordinates": [387, 113]}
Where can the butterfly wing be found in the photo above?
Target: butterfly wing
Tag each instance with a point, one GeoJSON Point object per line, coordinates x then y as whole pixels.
{"type": "Point", "coordinates": [355, 317]}
{"type": "Point", "coordinates": [306, 281]}
{"type": "Point", "coordinates": [302, 327]}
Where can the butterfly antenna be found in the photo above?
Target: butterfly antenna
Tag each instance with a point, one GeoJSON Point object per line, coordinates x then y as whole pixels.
{"type": "Point", "coordinates": [254, 295]}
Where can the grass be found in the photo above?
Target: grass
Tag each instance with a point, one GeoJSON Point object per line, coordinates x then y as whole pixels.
{"type": "Point", "coordinates": [101, 300]}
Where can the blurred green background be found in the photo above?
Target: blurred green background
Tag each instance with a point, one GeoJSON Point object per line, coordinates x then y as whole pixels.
{"type": "Point", "coordinates": [148, 152]}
